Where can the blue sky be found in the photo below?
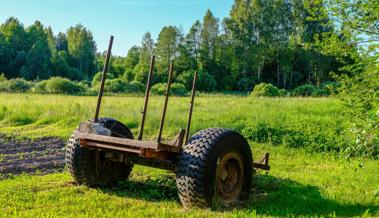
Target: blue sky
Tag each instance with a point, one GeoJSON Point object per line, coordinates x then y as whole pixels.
{"type": "Point", "coordinates": [127, 20]}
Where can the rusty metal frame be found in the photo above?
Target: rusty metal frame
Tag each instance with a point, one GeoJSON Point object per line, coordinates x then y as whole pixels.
{"type": "Point", "coordinates": [150, 153]}
{"type": "Point", "coordinates": [103, 77]}
{"type": "Point", "coordinates": [147, 95]}
{"type": "Point", "coordinates": [263, 163]}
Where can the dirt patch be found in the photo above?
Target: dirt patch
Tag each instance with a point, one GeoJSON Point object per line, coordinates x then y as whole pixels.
{"type": "Point", "coordinates": [45, 155]}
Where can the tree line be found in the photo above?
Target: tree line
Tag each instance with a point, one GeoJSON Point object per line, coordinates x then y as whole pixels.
{"type": "Point", "coordinates": [35, 53]}
{"type": "Point", "coordinates": [271, 41]}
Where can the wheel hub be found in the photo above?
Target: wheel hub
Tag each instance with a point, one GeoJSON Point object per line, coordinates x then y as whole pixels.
{"type": "Point", "coordinates": [229, 177]}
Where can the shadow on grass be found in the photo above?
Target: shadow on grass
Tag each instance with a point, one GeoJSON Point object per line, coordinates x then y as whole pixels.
{"type": "Point", "coordinates": [270, 196]}
{"type": "Point", "coordinates": [153, 189]}
{"type": "Point", "coordinates": [284, 197]}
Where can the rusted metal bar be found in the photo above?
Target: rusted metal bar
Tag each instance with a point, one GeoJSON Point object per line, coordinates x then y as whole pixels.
{"type": "Point", "coordinates": [103, 77]}
{"type": "Point", "coordinates": [191, 107]}
{"type": "Point", "coordinates": [100, 141]}
{"type": "Point", "coordinates": [165, 102]}
{"type": "Point", "coordinates": [147, 94]}
{"type": "Point", "coordinates": [263, 163]}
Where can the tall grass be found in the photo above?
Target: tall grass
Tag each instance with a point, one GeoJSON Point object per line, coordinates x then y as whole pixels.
{"type": "Point", "coordinates": [314, 123]}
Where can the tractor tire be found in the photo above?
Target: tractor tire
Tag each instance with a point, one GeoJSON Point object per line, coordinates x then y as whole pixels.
{"type": "Point", "coordinates": [214, 169]}
{"type": "Point", "coordinates": [89, 167]}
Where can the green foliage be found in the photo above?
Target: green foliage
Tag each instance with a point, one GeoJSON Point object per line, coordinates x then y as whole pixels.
{"type": "Point", "coordinates": [283, 92]}
{"type": "Point", "coordinates": [97, 78]}
{"type": "Point", "coordinates": [2, 77]}
{"type": "Point", "coordinates": [167, 46]}
{"type": "Point", "coordinates": [120, 86]}
{"type": "Point", "coordinates": [205, 81]}
{"type": "Point", "coordinates": [60, 85]}
{"type": "Point", "coordinates": [159, 88]}
{"type": "Point", "coordinates": [360, 94]}
{"type": "Point", "coordinates": [37, 58]}
{"type": "Point", "coordinates": [115, 86]}
{"type": "Point", "coordinates": [135, 86]}
{"type": "Point", "coordinates": [18, 85]}
{"type": "Point", "coordinates": [307, 90]}
{"type": "Point", "coordinates": [331, 88]}
{"type": "Point", "coordinates": [177, 89]}
{"type": "Point", "coordinates": [265, 90]}
{"type": "Point", "coordinates": [297, 135]}
{"type": "Point", "coordinates": [40, 87]}
{"type": "Point", "coordinates": [128, 75]}
{"type": "Point", "coordinates": [82, 49]}
{"type": "Point", "coordinates": [141, 72]}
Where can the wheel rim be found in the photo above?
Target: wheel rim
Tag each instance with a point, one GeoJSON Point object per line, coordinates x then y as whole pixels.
{"type": "Point", "coordinates": [229, 177]}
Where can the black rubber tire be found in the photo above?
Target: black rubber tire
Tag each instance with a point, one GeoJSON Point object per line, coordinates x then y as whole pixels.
{"type": "Point", "coordinates": [84, 168]}
{"type": "Point", "coordinates": [197, 165]}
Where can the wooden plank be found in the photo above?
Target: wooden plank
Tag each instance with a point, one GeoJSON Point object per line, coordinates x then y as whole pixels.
{"type": "Point", "coordinates": [111, 147]}
{"type": "Point", "coordinates": [118, 141]}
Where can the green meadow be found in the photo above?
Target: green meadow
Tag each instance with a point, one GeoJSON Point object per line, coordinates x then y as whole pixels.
{"type": "Point", "coordinates": [311, 174]}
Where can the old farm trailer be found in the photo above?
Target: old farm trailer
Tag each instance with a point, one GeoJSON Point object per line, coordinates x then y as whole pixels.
{"type": "Point", "coordinates": [214, 166]}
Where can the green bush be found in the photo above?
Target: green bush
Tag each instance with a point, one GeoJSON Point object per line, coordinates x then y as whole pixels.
{"type": "Point", "coordinates": [40, 87]}
{"type": "Point", "coordinates": [128, 75]}
{"type": "Point", "coordinates": [176, 89]}
{"type": "Point", "coordinates": [330, 87]}
{"type": "Point", "coordinates": [2, 77]}
{"type": "Point", "coordinates": [159, 88]}
{"type": "Point", "coordinates": [205, 81]}
{"type": "Point", "coordinates": [265, 90]}
{"type": "Point", "coordinates": [118, 86]}
{"type": "Point", "coordinates": [18, 85]}
{"type": "Point", "coordinates": [97, 78]}
{"type": "Point", "coordinates": [58, 85]}
{"type": "Point", "coordinates": [3, 83]}
{"type": "Point", "coordinates": [283, 92]}
{"type": "Point", "coordinates": [135, 86]}
{"type": "Point", "coordinates": [308, 90]}
{"type": "Point", "coordinates": [115, 85]}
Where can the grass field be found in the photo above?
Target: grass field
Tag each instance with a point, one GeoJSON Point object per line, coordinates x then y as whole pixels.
{"type": "Point", "coordinates": [307, 179]}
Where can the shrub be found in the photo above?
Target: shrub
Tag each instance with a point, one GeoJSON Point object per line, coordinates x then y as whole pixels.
{"type": "Point", "coordinates": [330, 87]}
{"type": "Point", "coordinates": [115, 86]}
{"type": "Point", "coordinates": [97, 78]}
{"type": "Point", "coordinates": [2, 77]}
{"type": "Point", "coordinates": [118, 86]}
{"type": "Point", "coordinates": [159, 88]}
{"type": "Point", "coordinates": [205, 82]}
{"type": "Point", "coordinates": [135, 86]}
{"type": "Point", "coordinates": [128, 75]}
{"type": "Point", "coordinates": [176, 89]}
{"type": "Point", "coordinates": [40, 87]}
{"type": "Point", "coordinates": [265, 90]}
{"type": "Point", "coordinates": [60, 85]}
{"type": "Point", "coordinates": [18, 85]}
{"type": "Point", "coordinates": [307, 90]}
{"type": "Point", "coordinates": [283, 92]}
{"type": "Point", "coordinates": [3, 83]}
